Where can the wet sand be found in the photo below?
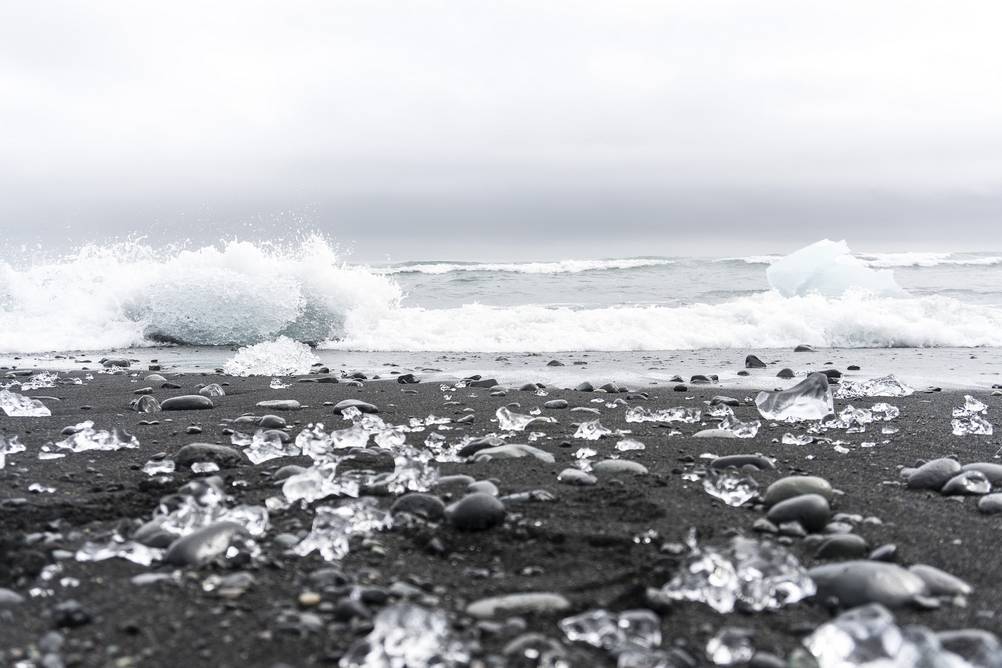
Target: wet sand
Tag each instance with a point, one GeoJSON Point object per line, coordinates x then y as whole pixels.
{"type": "Point", "coordinates": [583, 545]}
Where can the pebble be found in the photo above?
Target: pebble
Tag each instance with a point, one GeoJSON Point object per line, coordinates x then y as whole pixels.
{"type": "Point", "coordinates": [933, 474]}
{"type": "Point", "coordinates": [485, 486]}
{"type": "Point", "coordinates": [517, 604]}
{"type": "Point", "coordinates": [618, 466]}
{"type": "Point", "coordinates": [476, 512]}
{"type": "Point", "coordinates": [810, 510]}
{"type": "Point", "coordinates": [753, 362]}
{"type": "Point", "coordinates": [970, 483]}
{"type": "Point", "coordinates": [513, 451]}
{"type": "Point", "coordinates": [572, 476]}
{"type": "Point", "coordinates": [854, 583]}
{"type": "Point", "coordinates": [990, 504]}
{"type": "Point", "coordinates": [759, 462]}
{"type": "Point", "coordinates": [280, 404]}
{"type": "Point", "coordinates": [992, 471]}
{"type": "Point", "coordinates": [363, 406]}
{"type": "Point", "coordinates": [188, 402]}
{"type": "Point", "coordinates": [203, 545]}
{"type": "Point", "coordinates": [785, 373]}
{"type": "Point", "coordinates": [940, 583]}
{"type": "Point", "coordinates": [223, 455]}
{"type": "Point", "coordinates": [9, 598]}
{"type": "Point", "coordinates": [791, 486]}
{"type": "Point", "coordinates": [426, 506]}
{"type": "Point", "coordinates": [556, 404]}
{"type": "Point", "coordinates": [842, 546]}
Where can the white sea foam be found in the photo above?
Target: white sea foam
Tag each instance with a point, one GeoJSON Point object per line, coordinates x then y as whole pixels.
{"type": "Point", "coordinates": [560, 267]}
{"type": "Point", "coordinates": [768, 320]}
{"type": "Point", "coordinates": [928, 259]}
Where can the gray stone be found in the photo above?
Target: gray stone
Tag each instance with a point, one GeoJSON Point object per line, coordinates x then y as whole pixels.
{"type": "Point", "coordinates": [280, 404]}
{"type": "Point", "coordinates": [933, 474]}
{"type": "Point", "coordinates": [513, 451]}
{"type": "Point", "coordinates": [618, 467]}
{"type": "Point", "coordinates": [753, 362]}
{"type": "Point", "coordinates": [940, 583]}
{"type": "Point", "coordinates": [555, 404]}
{"type": "Point", "coordinates": [810, 510]}
{"type": "Point", "coordinates": [9, 598]}
{"type": "Point", "coordinates": [511, 605]}
{"type": "Point", "coordinates": [855, 583]}
{"type": "Point", "coordinates": [759, 462]}
{"type": "Point", "coordinates": [571, 476]}
{"type": "Point", "coordinates": [188, 402]}
{"type": "Point", "coordinates": [967, 483]}
{"type": "Point", "coordinates": [421, 505]}
{"type": "Point", "coordinates": [363, 406]}
{"type": "Point", "coordinates": [990, 504]}
{"type": "Point", "coordinates": [791, 486]}
{"type": "Point", "coordinates": [992, 471]}
{"type": "Point", "coordinates": [842, 546]}
{"type": "Point", "coordinates": [203, 545]}
{"type": "Point", "coordinates": [476, 512]}
{"type": "Point", "coordinates": [223, 455]}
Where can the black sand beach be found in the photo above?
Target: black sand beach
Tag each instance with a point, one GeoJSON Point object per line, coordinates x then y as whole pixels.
{"type": "Point", "coordinates": [584, 544]}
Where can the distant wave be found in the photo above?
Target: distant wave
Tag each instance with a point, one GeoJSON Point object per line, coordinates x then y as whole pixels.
{"type": "Point", "coordinates": [560, 267]}
{"type": "Point", "coordinates": [893, 260]}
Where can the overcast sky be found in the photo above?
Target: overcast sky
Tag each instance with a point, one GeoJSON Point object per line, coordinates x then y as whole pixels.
{"type": "Point", "coordinates": [464, 126]}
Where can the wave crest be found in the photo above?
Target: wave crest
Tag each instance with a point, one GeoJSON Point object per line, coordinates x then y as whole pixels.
{"type": "Point", "coordinates": [560, 267]}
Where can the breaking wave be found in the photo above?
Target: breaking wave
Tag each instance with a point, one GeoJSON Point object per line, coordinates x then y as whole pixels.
{"type": "Point", "coordinates": [895, 260]}
{"type": "Point", "coordinates": [561, 267]}
{"type": "Point", "coordinates": [129, 294]}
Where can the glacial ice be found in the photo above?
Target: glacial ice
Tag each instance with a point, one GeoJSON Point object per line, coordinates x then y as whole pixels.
{"type": "Point", "coordinates": [670, 414]}
{"type": "Point", "coordinates": [885, 386]}
{"type": "Point", "coordinates": [18, 405]}
{"type": "Point", "coordinates": [627, 631]}
{"type": "Point", "coordinates": [755, 574]}
{"type": "Point", "coordinates": [731, 488]}
{"type": "Point", "coordinates": [730, 646]}
{"type": "Point", "coordinates": [969, 419]}
{"type": "Point", "coordinates": [592, 430]}
{"type": "Point", "coordinates": [9, 446]}
{"type": "Point", "coordinates": [333, 528]}
{"type": "Point", "coordinates": [828, 268]}
{"type": "Point", "coordinates": [739, 428]}
{"type": "Point", "coordinates": [405, 635]}
{"type": "Point", "coordinates": [509, 420]}
{"type": "Point", "coordinates": [281, 357]}
{"type": "Point", "coordinates": [264, 445]}
{"type": "Point", "coordinates": [85, 437]}
{"type": "Point", "coordinates": [118, 548]}
{"type": "Point", "coordinates": [810, 399]}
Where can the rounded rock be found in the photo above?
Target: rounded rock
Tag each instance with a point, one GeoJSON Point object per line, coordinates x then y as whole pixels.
{"type": "Point", "coordinates": [810, 510]}
{"type": "Point", "coordinates": [476, 512]}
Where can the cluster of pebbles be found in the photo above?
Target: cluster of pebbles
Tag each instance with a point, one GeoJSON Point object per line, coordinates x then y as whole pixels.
{"type": "Point", "coordinates": [331, 505]}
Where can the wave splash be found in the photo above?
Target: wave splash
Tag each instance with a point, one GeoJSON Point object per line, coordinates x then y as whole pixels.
{"type": "Point", "coordinates": [129, 294]}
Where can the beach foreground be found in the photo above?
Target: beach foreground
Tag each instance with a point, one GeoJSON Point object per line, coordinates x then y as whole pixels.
{"type": "Point", "coordinates": [593, 546]}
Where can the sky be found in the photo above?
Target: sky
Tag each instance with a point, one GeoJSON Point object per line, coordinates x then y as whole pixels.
{"type": "Point", "coordinates": [433, 129]}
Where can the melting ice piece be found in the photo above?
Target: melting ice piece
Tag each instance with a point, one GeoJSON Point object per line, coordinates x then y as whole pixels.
{"type": "Point", "coordinates": [264, 445]}
{"type": "Point", "coordinates": [9, 446]}
{"type": "Point", "coordinates": [333, 528]}
{"type": "Point", "coordinates": [869, 636]}
{"type": "Point", "coordinates": [810, 399]}
{"type": "Point", "coordinates": [756, 574]}
{"type": "Point", "coordinates": [318, 482]}
{"type": "Point", "coordinates": [730, 646]}
{"type": "Point", "coordinates": [281, 357]}
{"type": "Point", "coordinates": [592, 430]}
{"type": "Point", "coordinates": [202, 504]}
{"type": "Point", "coordinates": [670, 414]}
{"type": "Point", "coordinates": [278, 384]}
{"type": "Point", "coordinates": [158, 466]}
{"type": "Point", "coordinates": [118, 548]}
{"type": "Point", "coordinates": [39, 381]}
{"type": "Point", "coordinates": [511, 421]}
{"type": "Point", "coordinates": [731, 488]}
{"type": "Point", "coordinates": [627, 444]}
{"type": "Point", "coordinates": [204, 467]}
{"type": "Point", "coordinates": [968, 419]}
{"type": "Point", "coordinates": [971, 406]}
{"type": "Point", "coordinates": [408, 635]}
{"type": "Point", "coordinates": [145, 404]}
{"type": "Point", "coordinates": [854, 420]}
{"type": "Point", "coordinates": [627, 631]}
{"type": "Point", "coordinates": [740, 429]}
{"type": "Point", "coordinates": [794, 439]}
{"type": "Point", "coordinates": [885, 386]}
{"type": "Point", "coordinates": [85, 437]}
{"type": "Point", "coordinates": [884, 411]}
{"type": "Point", "coordinates": [18, 405]}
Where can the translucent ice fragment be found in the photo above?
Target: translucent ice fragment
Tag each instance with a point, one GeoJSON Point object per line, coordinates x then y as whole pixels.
{"type": "Point", "coordinates": [281, 357]}
{"type": "Point", "coordinates": [265, 445]}
{"type": "Point", "coordinates": [627, 631]}
{"type": "Point", "coordinates": [118, 548]}
{"type": "Point", "coordinates": [885, 386]}
{"type": "Point", "coordinates": [731, 488]}
{"type": "Point", "coordinates": [970, 407]}
{"type": "Point", "coordinates": [204, 467]}
{"type": "Point", "coordinates": [85, 437]}
{"type": "Point", "coordinates": [511, 421]}
{"type": "Point", "coordinates": [627, 444]}
{"type": "Point", "coordinates": [670, 414]}
{"type": "Point", "coordinates": [145, 404]}
{"type": "Point", "coordinates": [739, 428]}
{"type": "Point", "coordinates": [333, 528]}
{"type": "Point", "coordinates": [277, 384]}
{"type": "Point", "coordinates": [40, 380]}
{"type": "Point", "coordinates": [318, 482]}
{"type": "Point", "coordinates": [592, 430]}
{"type": "Point", "coordinates": [9, 446]}
{"type": "Point", "coordinates": [755, 574]}
{"type": "Point", "coordinates": [18, 405]}
{"type": "Point", "coordinates": [811, 399]}
{"type": "Point", "coordinates": [405, 635]}
{"type": "Point", "coordinates": [730, 646]}
{"type": "Point", "coordinates": [794, 439]}
{"type": "Point", "coordinates": [869, 636]}
{"type": "Point", "coordinates": [971, 425]}
{"type": "Point", "coordinates": [854, 420]}
{"type": "Point", "coordinates": [158, 466]}
{"type": "Point", "coordinates": [884, 411]}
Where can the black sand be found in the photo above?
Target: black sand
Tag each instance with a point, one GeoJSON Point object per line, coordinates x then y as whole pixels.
{"type": "Point", "coordinates": [582, 545]}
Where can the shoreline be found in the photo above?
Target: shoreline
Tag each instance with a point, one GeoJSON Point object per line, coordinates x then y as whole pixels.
{"type": "Point", "coordinates": [590, 545]}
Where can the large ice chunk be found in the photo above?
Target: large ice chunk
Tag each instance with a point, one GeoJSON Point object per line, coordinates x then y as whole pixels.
{"type": "Point", "coordinates": [333, 528]}
{"type": "Point", "coordinates": [827, 268]}
{"type": "Point", "coordinates": [18, 405]}
{"type": "Point", "coordinates": [885, 386]}
{"type": "Point", "coordinates": [85, 437]}
{"type": "Point", "coordinates": [281, 357]}
{"type": "Point", "coordinates": [755, 574]}
{"type": "Point", "coordinates": [9, 446]}
{"type": "Point", "coordinates": [811, 399]}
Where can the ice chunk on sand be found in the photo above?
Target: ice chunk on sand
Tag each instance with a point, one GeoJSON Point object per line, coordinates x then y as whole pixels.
{"type": "Point", "coordinates": [828, 268]}
{"type": "Point", "coordinates": [18, 405]}
{"type": "Point", "coordinates": [811, 399]}
{"type": "Point", "coordinates": [281, 357]}
{"type": "Point", "coordinates": [408, 635]}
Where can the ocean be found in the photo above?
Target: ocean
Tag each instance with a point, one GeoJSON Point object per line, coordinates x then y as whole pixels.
{"type": "Point", "coordinates": [125, 295]}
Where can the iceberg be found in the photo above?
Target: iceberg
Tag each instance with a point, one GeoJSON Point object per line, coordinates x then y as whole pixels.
{"type": "Point", "coordinates": [830, 269]}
